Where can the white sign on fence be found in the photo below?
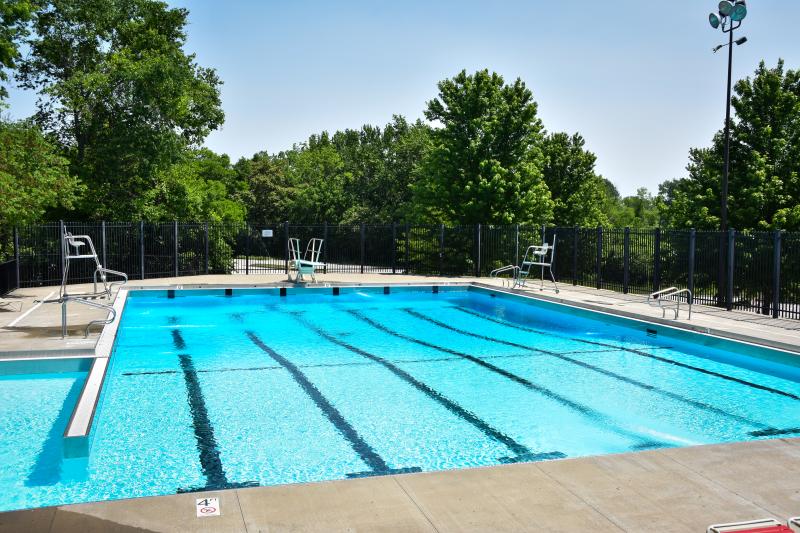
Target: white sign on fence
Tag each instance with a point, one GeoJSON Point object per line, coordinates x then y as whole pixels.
{"type": "Point", "coordinates": [266, 233]}
{"type": "Point", "coordinates": [207, 507]}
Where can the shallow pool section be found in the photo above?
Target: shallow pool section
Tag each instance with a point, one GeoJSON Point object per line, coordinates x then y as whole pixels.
{"type": "Point", "coordinates": [36, 401]}
{"type": "Point", "coordinates": [218, 389]}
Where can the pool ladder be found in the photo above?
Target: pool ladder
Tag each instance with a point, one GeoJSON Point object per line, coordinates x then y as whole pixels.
{"type": "Point", "coordinates": [665, 299]}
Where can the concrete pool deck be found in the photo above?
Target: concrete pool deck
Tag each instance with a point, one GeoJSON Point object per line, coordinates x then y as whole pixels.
{"type": "Point", "coordinates": [670, 490]}
{"type": "Point", "coordinates": [678, 489]}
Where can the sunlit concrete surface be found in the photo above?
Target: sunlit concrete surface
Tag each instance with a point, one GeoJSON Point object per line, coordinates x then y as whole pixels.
{"type": "Point", "coordinates": [674, 490]}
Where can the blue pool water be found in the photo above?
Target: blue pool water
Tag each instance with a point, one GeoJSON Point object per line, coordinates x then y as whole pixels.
{"type": "Point", "coordinates": [212, 391]}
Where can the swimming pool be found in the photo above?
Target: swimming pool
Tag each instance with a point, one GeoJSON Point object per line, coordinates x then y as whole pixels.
{"type": "Point", "coordinates": [260, 386]}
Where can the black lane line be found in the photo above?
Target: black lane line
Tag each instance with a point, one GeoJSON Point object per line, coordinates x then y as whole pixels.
{"type": "Point", "coordinates": [637, 352]}
{"type": "Point", "coordinates": [321, 365]}
{"type": "Point", "coordinates": [772, 432]}
{"type": "Point", "coordinates": [210, 461]}
{"type": "Point", "coordinates": [636, 383]}
{"type": "Point", "coordinates": [368, 455]}
{"type": "Point", "coordinates": [522, 452]}
{"type": "Point", "coordinates": [585, 410]}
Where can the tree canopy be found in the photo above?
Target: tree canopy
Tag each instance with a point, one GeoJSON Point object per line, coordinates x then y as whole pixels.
{"type": "Point", "coordinates": [14, 16]}
{"type": "Point", "coordinates": [486, 159]}
{"type": "Point", "coordinates": [120, 96]}
{"type": "Point", "coordinates": [124, 109]}
{"type": "Point", "coordinates": [33, 176]}
{"type": "Point", "coordinates": [764, 182]}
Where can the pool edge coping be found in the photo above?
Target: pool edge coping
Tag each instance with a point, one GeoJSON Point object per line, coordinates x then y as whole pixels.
{"type": "Point", "coordinates": [77, 435]}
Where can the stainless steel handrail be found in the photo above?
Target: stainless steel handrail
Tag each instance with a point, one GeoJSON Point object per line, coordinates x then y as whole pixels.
{"type": "Point", "coordinates": [662, 301]}
{"type": "Point", "coordinates": [508, 268]}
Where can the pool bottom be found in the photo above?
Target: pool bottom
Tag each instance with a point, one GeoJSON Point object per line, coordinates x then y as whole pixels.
{"type": "Point", "coordinates": [222, 392]}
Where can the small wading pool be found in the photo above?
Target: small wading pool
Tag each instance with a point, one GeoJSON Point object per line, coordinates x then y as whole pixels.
{"type": "Point", "coordinates": [210, 391]}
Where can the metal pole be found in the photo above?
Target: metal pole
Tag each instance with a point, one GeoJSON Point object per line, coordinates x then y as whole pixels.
{"type": "Point", "coordinates": [554, 257]}
{"type": "Point", "coordinates": [626, 260]}
{"type": "Point", "coordinates": [478, 229]}
{"type": "Point", "coordinates": [205, 230]}
{"type": "Point", "coordinates": [62, 253]}
{"type": "Point", "coordinates": [325, 247]}
{"type": "Point", "coordinates": [725, 173]}
{"type": "Point", "coordinates": [286, 247]}
{"type": "Point", "coordinates": [729, 298]}
{"type": "Point", "coordinates": [690, 281]}
{"type": "Point", "coordinates": [16, 255]}
{"type": "Point", "coordinates": [363, 238]}
{"type": "Point", "coordinates": [441, 249]}
{"type": "Point", "coordinates": [516, 244]}
{"type": "Point", "coordinates": [599, 258]}
{"type": "Point", "coordinates": [247, 249]}
{"type": "Point", "coordinates": [175, 231]}
{"type": "Point", "coordinates": [141, 247]}
{"type": "Point", "coordinates": [408, 248]}
{"type": "Point", "coordinates": [394, 245]}
{"type": "Point", "coordinates": [103, 241]}
{"type": "Point", "coordinates": [575, 255]}
{"type": "Point", "coordinates": [657, 260]}
{"type": "Point", "coordinates": [776, 274]}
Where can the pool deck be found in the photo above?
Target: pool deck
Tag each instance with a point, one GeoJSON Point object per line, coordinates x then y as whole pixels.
{"type": "Point", "coordinates": [679, 489]}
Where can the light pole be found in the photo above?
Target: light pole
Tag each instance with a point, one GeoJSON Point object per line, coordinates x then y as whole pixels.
{"type": "Point", "coordinates": [731, 15]}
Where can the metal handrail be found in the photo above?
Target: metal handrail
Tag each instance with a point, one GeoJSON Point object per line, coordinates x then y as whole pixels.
{"type": "Point", "coordinates": [660, 296]}
{"type": "Point", "coordinates": [508, 268]}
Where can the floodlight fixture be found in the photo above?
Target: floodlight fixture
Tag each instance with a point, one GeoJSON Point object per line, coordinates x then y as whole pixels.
{"type": "Point", "coordinates": [739, 11]}
{"type": "Point", "coordinates": [713, 19]}
{"type": "Point", "coordinates": [725, 8]}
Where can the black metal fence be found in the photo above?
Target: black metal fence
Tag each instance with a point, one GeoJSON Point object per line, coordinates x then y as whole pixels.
{"type": "Point", "coordinates": [754, 271]}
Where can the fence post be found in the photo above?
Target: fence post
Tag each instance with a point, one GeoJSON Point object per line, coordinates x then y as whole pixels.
{"type": "Point", "coordinates": [729, 297]}
{"type": "Point", "coordinates": [516, 244]}
{"type": "Point", "coordinates": [205, 231]}
{"type": "Point", "coordinates": [175, 231]}
{"type": "Point", "coordinates": [286, 247]}
{"type": "Point", "coordinates": [61, 249]}
{"type": "Point", "coordinates": [478, 244]}
{"type": "Point", "coordinates": [657, 260]}
{"type": "Point", "coordinates": [16, 254]}
{"type": "Point", "coordinates": [575, 255]}
{"type": "Point", "coordinates": [141, 248]}
{"type": "Point", "coordinates": [247, 249]}
{"type": "Point", "coordinates": [363, 235]}
{"type": "Point", "coordinates": [554, 257]}
{"type": "Point", "coordinates": [690, 280]}
{"type": "Point", "coordinates": [325, 247]}
{"type": "Point", "coordinates": [394, 247]}
{"type": "Point", "coordinates": [626, 260]}
{"type": "Point", "coordinates": [408, 248]}
{"type": "Point", "coordinates": [441, 249]}
{"type": "Point", "coordinates": [103, 241]}
{"type": "Point", "coordinates": [599, 261]}
{"type": "Point", "coordinates": [776, 274]}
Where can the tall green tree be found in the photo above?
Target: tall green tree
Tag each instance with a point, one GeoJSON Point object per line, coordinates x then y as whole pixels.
{"type": "Point", "coordinates": [33, 176]}
{"type": "Point", "coordinates": [120, 95]}
{"type": "Point", "coordinates": [577, 191]}
{"type": "Point", "coordinates": [764, 183]}
{"type": "Point", "coordinates": [14, 17]}
{"type": "Point", "coordinates": [203, 186]}
{"type": "Point", "coordinates": [485, 161]}
{"type": "Point", "coordinates": [384, 165]}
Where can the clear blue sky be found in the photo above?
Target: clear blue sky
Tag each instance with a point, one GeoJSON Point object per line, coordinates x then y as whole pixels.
{"type": "Point", "coordinates": [636, 78]}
